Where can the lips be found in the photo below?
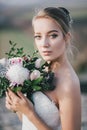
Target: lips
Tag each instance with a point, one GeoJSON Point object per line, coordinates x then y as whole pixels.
{"type": "Point", "coordinates": [47, 52]}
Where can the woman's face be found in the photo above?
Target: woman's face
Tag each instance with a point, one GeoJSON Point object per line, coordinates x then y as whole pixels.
{"type": "Point", "coordinates": [49, 39]}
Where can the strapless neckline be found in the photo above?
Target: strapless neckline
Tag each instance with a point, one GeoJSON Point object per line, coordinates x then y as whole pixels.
{"type": "Point", "coordinates": [44, 97]}
{"type": "Point", "coordinates": [46, 110]}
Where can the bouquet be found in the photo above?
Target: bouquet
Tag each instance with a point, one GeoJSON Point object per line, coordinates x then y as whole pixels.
{"type": "Point", "coordinates": [25, 73]}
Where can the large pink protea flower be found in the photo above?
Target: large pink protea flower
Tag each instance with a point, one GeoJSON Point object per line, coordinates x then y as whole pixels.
{"type": "Point", "coordinates": [16, 73]}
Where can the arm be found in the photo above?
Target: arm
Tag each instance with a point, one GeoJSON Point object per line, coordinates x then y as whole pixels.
{"type": "Point", "coordinates": [70, 106]}
{"type": "Point", "coordinates": [21, 104]}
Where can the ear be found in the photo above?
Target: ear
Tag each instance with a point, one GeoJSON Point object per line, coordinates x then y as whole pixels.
{"type": "Point", "coordinates": [68, 37]}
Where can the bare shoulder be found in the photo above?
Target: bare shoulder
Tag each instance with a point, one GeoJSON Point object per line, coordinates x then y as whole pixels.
{"type": "Point", "coordinates": [69, 99]}
{"type": "Point", "coordinates": [69, 84]}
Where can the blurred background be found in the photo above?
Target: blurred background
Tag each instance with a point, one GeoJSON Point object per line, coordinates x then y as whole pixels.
{"type": "Point", "coordinates": [15, 25]}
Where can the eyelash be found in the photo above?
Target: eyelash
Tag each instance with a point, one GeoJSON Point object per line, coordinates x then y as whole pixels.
{"type": "Point", "coordinates": [53, 35]}
{"type": "Point", "coordinates": [37, 37]}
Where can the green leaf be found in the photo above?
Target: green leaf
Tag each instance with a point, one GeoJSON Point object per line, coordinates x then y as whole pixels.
{"type": "Point", "coordinates": [10, 42]}
{"type": "Point", "coordinates": [36, 88]}
{"type": "Point", "coordinates": [27, 83]}
{"type": "Point", "coordinates": [37, 81]}
{"type": "Point", "coordinates": [16, 89]}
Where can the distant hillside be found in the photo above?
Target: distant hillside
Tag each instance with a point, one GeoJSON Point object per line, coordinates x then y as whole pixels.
{"type": "Point", "coordinates": [9, 14]}
{"type": "Point", "coordinates": [39, 3]}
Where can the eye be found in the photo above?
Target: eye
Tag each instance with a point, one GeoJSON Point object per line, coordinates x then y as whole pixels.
{"type": "Point", "coordinates": [38, 37]}
{"type": "Point", "coordinates": [53, 36]}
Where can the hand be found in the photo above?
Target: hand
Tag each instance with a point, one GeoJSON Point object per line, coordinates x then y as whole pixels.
{"type": "Point", "coordinates": [18, 102]}
{"type": "Point", "coordinates": [9, 102]}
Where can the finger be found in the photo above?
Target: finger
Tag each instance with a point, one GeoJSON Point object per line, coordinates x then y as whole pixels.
{"type": "Point", "coordinates": [9, 107]}
{"type": "Point", "coordinates": [11, 104]}
{"type": "Point", "coordinates": [12, 94]}
{"type": "Point", "coordinates": [20, 94]}
{"type": "Point", "coordinates": [8, 98]}
{"type": "Point", "coordinates": [7, 95]}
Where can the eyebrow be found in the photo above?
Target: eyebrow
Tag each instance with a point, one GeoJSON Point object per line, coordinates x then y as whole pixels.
{"type": "Point", "coordinates": [50, 31]}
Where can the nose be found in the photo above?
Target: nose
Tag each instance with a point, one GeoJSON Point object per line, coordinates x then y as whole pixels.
{"type": "Point", "coordinates": [45, 42]}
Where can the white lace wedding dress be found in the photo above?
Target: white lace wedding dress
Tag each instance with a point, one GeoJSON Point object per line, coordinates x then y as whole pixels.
{"type": "Point", "coordinates": [47, 111]}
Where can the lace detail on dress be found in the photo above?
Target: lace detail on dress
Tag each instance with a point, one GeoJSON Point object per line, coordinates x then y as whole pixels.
{"type": "Point", "coordinates": [47, 111]}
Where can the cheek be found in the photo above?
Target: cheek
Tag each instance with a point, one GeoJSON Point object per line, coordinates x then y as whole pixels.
{"type": "Point", "coordinates": [60, 44]}
{"type": "Point", "coordinates": [59, 47]}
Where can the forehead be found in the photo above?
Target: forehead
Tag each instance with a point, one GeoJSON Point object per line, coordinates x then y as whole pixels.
{"type": "Point", "coordinates": [45, 24]}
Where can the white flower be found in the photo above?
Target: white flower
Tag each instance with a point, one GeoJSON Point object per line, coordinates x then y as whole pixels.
{"type": "Point", "coordinates": [16, 60]}
{"type": "Point", "coordinates": [17, 74]}
{"type": "Point", "coordinates": [38, 63]}
{"type": "Point", "coordinates": [35, 74]}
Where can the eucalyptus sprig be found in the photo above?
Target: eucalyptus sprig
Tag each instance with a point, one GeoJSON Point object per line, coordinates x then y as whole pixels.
{"type": "Point", "coordinates": [14, 51]}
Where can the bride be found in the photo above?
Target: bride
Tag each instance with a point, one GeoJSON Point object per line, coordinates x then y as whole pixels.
{"type": "Point", "coordinates": [61, 107]}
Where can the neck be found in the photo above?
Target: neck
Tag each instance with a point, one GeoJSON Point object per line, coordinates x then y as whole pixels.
{"type": "Point", "coordinates": [59, 63]}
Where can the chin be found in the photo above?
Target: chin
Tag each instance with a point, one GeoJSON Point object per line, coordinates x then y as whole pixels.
{"type": "Point", "coordinates": [48, 59]}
